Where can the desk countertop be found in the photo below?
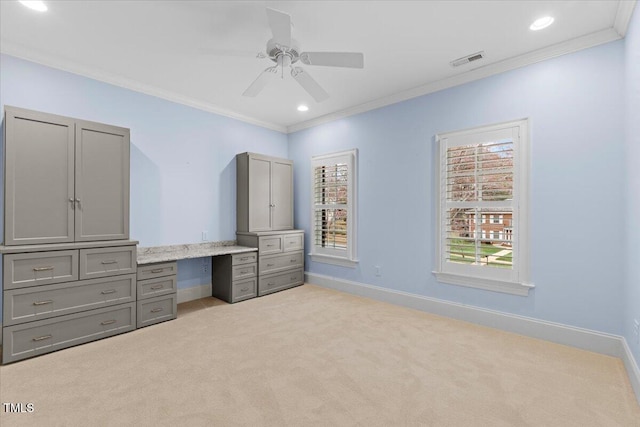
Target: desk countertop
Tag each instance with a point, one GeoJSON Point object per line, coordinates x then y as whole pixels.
{"type": "Point", "coordinates": [148, 255]}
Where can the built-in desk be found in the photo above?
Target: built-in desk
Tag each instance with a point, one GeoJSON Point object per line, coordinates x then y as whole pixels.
{"type": "Point", "coordinates": [234, 276]}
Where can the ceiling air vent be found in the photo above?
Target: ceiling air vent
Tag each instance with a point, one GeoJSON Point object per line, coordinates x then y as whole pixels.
{"type": "Point", "coordinates": [466, 59]}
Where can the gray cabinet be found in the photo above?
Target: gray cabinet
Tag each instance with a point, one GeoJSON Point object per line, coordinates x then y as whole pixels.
{"type": "Point", "coordinates": [234, 277]}
{"type": "Point", "coordinates": [66, 180]}
{"type": "Point", "coordinates": [280, 258]}
{"type": "Point", "coordinates": [264, 199]}
{"type": "Point", "coordinates": [157, 293]}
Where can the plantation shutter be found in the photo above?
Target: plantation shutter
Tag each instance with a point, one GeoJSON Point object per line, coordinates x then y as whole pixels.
{"type": "Point", "coordinates": [331, 183]}
{"type": "Point", "coordinates": [477, 188]}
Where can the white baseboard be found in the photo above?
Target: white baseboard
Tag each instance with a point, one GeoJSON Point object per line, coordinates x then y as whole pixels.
{"type": "Point", "coordinates": [632, 368]}
{"type": "Point", "coordinates": [194, 292]}
{"type": "Point", "coordinates": [586, 339]}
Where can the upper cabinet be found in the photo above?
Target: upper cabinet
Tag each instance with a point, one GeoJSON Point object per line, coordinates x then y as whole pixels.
{"type": "Point", "coordinates": [65, 180]}
{"type": "Point", "coordinates": [264, 193]}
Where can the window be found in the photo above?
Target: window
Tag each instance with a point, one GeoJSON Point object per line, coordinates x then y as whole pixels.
{"type": "Point", "coordinates": [333, 210]}
{"type": "Point", "coordinates": [484, 173]}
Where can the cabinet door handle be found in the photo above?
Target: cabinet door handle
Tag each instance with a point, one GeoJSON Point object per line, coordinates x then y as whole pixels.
{"type": "Point", "coordinates": [79, 204]}
{"type": "Point", "coordinates": [111, 261]}
{"type": "Point", "coordinates": [49, 301]}
{"type": "Point", "coordinates": [108, 322]}
{"type": "Point", "coordinates": [156, 310]}
{"type": "Point", "coordinates": [157, 270]}
{"type": "Point", "coordinates": [42, 338]}
{"type": "Point", "coordinates": [157, 287]}
{"type": "Point", "coordinates": [50, 267]}
{"type": "Point", "coordinates": [109, 291]}
{"type": "Point", "coordinates": [73, 206]}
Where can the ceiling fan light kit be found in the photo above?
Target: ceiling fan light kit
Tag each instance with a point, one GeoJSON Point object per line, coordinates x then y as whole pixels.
{"type": "Point", "coordinates": [285, 52]}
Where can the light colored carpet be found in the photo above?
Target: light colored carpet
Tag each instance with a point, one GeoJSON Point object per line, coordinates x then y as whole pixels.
{"type": "Point", "coordinates": [316, 357]}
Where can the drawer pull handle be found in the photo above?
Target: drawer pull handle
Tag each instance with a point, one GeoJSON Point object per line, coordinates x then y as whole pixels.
{"type": "Point", "coordinates": [108, 322]}
{"type": "Point", "coordinates": [270, 284]}
{"type": "Point", "coordinates": [43, 268]}
{"type": "Point", "coordinates": [157, 270]}
{"type": "Point", "coordinates": [293, 278]}
{"type": "Point", "coordinates": [156, 310]}
{"type": "Point", "coordinates": [49, 301]}
{"type": "Point", "coordinates": [244, 258]}
{"type": "Point", "coordinates": [269, 246]}
{"type": "Point", "coordinates": [111, 261]}
{"type": "Point", "coordinates": [109, 291]}
{"type": "Point", "coordinates": [270, 265]}
{"type": "Point", "coordinates": [42, 338]}
{"type": "Point", "coordinates": [244, 272]}
{"type": "Point", "coordinates": [157, 287]}
{"type": "Point", "coordinates": [244, 289]}
{"type": "Point", "coordinates": [293, 260]}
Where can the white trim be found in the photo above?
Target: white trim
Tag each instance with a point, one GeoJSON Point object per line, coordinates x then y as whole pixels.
{"type": "Point", "coordinates": [585, 339]}
{"type": "Point", "coordinates": [632, 368]}
{"type": "Point", "coordinates": [570, 46]}
{"type": "Point", "coordinates": [110, 78]}
{"type": "Point", "coordinates": [194, 292]}
{"type": "Point", "coordinates": [623, 16]}
{"type": "Point", "coordinates": [513, 288]}
{"type": "Point", "coordinates": [328, 259]}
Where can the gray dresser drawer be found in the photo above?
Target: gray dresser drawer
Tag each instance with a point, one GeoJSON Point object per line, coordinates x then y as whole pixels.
{"type": "Point", "coordinates": [157, 309]}
{"type": "Point", "coordinates": [102, 262]}
{"type": "Point", "coordinates": [44, 336]}
{"type": "Point", "coordinates": [244, 258]}
{"type": "Point", "coordinates": [160, 269]}
{"type": "Point", "coordinates": [270, 244]}
{"type": "Point", "coordinates": [156, 287]}
{"type": "Point", "coordinates": [274, 263]}
{"type": "Point", "coordinates": [244, 271]}
{"type": "Point", "coordinates": [39, 268]}
{"type": "Point", "coordinates": [244, 289]}
{"type": "Point", "coordinates": [293, 242]}
{"type": "Point", "coordinates": [43, 302]}
{"type": "Point", "coordinates": [278, 282]}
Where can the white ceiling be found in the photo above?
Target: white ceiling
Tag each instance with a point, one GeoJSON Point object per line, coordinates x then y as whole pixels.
{"type": "Point", "coordinates": [164, 48]}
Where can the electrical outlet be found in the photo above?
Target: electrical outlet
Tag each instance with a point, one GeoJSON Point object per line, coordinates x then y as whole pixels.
{"type": "Point", "coordinates": [205, 236]}
{"type": "Point", "coordinates": [205, 265]}
{"type": "Point", "coordinates": [378, 270]}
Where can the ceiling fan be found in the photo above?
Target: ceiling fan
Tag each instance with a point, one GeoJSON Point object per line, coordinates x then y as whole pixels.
{"type": "Point", "coordinates": [285, 52]}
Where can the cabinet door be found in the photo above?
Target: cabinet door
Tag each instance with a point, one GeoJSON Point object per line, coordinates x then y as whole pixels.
{"type": "Point", "coordinates": [281, 195]}
{"type": "Point", "coordinates": [259, 194]}
{"type": "Point", "coordinates": [39, 185]}
{"type": "Point", "coordinates": [102, 182]}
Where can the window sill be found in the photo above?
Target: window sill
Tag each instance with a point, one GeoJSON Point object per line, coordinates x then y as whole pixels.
{"type": "Point", "coordinates": [513, 288]}
{"type": "Point", "coordinates": [328, 259]}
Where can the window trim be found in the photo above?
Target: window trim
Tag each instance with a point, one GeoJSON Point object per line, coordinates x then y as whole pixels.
{"type": "Point", "coordinates": [350, 258]}
{"type": "Point", "coordinates": [520, 283]}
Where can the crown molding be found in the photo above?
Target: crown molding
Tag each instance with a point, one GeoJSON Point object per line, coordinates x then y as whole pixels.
{"type": "Point", "coordinates": [18, 51]}
{"type": "Point", "coordinates": [570, 46]}
{"type": "Point", "coordinates": [623, 16]}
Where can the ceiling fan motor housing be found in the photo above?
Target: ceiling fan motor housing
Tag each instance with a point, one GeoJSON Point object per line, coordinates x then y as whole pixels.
{"type": "Point", "coordinates": [275, 50]}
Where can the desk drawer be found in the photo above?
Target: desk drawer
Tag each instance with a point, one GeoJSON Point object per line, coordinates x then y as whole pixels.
{"type": "Point", "coordinates": [157, 309]}
{"type": "Point", "coordinates": [270, 245]}
{"type": "Point", "coordinates": [160, 269]}
{"type": "Point", "coordinates": [244, 271]}
{"type": "Point", "coordinates": [102, 262]}
{"type": "Point", "coordinates": [156, 287]}
{"type": "Point", "coordinates": [293, 242]}
{"type": "Point", "coordinates": [44, 336]}
{"type": "Point", "coordinates": [278, 282]}
{"type": "Point", "coordinates": [244, 258]}
{"type": "Point", "coordinates": [281, 262]}
{"type": "Point", "coordinates": [244, 289]}
{"type": "Point", "coordinates": [39, 268]}
{"type": "Point", "coordinates": [43, 302]}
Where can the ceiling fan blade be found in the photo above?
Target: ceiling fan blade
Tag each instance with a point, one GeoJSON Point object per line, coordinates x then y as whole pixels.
{"type": "Point", "coordinates": [263, 79]}
{"type": "Point", "coordinates": [309, 84]}
{"type": "Point", "coordinates": [280, 24]}
{"type": "Point", "coordinates": [333, 59]}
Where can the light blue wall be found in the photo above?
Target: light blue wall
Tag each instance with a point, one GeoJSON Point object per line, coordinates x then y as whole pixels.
{"type": "Point", "coordinates": [575, 104]}
{"type": "Point", "coordinates": [182, 159]}
{"type": "Point", "coordinates": [632, 78]}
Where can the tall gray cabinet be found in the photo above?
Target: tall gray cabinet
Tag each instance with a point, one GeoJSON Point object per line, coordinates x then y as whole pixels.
{"type": "Point", "coordinates": [264, 210]}
{"type": "Point", "coordinates": [68, 266]}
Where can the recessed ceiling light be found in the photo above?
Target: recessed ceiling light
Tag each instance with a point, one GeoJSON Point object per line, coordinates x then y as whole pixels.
{"type": "Point", "coordinates": [35, 5]}
{"type": "Point", "coordinates": [303, 108]}
{"type": "Point", "coordinates": [541, 23]}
